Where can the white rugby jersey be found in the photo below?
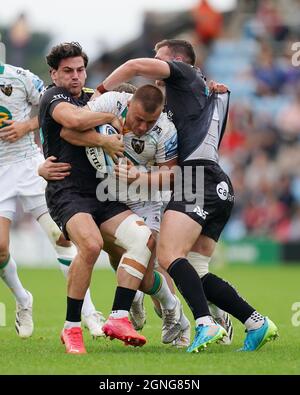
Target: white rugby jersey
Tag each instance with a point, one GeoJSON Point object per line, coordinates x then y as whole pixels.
{"type": "Point", "coordinates": [156, 146]}
{"type": "Point", "coordinates": [19, 91]}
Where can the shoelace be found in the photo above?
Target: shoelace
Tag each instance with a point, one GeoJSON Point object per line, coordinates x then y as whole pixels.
{"type": "Point", "coordinates": [75, 337]}
{"type": "Point", "coordinates": [169, 317]}
{"type": "Point", "coordinates": [24, 315]}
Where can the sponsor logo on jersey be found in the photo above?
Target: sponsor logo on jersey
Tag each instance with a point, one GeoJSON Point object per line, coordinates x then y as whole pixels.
{"type": "Point", "coordinates": [170, 115]}
{"type": "Point", "coordinates": [6, 89]}
{"type": "Point", "coordinates": [38, 84]}
{"type": "Point", "coordinates": [171, 147]}
{"type": "Point", "coordinates": [138, 145]}
{"type": "Point", "coordinates": [223, 191]}
{"type": "Point", "coordinates": [157, 129]}
{"type": "Point", "coordinates": [21, 72]}
{"type": "Point", "coordinates": [199, 211]}
{"type": "Point", "coordinates": [60, 96]}
{"type": "Point", "coordinates": [5, 115]}
{"type": "Point", "coordinates": [119, 105]}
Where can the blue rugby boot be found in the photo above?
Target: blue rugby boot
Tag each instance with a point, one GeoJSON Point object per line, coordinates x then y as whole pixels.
{"type": "Point", "coordinates": [256, 338]}
{"type": "Point", "coordinates": [207, 334]}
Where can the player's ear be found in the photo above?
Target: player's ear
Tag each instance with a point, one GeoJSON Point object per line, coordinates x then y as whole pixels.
{"type": "Point", "coordinates": [53, 73]}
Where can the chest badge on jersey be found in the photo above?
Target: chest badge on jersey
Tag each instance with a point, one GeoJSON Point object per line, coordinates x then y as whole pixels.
{"type": "Point", "coordinates": [6, 89]}
{"type": "Point", "coordinates": [138, 145]}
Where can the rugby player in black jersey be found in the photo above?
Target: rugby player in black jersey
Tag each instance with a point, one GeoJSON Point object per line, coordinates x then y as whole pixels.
{"type": "Point", "coordinates": [195, 226]}
{"type": "Point", "coordinates": [74, 206]}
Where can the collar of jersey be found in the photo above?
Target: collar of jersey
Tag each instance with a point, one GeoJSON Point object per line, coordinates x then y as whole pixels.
{"type": "Point", "coordinates": [123, 116]}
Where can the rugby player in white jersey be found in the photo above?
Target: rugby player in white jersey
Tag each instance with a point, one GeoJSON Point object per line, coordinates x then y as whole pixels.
{"type": "Point", "coordinates": [19, 160]}
{"type": "Point", "coordinates": [194, 224]}
{"type": "Point", "coordinates": [149, 140]}
{"type": "Point", "coordinates": [146, 147]}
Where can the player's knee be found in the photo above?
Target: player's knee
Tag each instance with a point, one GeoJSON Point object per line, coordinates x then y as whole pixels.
{"type": "Point", "coordinates": [165, 257]}
{"type": "Point", "coordinates": [90, 250]}
{"type": "Point", "coordinates": [136, 238]}
{"type": "Point", "coordinates": [164, 260]}
{"type": "Point", "coordinates": [199, 262]}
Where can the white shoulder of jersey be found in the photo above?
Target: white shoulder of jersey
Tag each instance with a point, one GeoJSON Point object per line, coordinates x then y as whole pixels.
{"type": "Point", "coordinates": [165, 126]}
{"type": "Point", "coordinates": [19, 72]}
{"type": "Point", "coordinates": [114, 102]}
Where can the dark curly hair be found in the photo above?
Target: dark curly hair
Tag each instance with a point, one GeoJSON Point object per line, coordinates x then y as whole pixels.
{"type": "Point", "coordinates": [64, 51]}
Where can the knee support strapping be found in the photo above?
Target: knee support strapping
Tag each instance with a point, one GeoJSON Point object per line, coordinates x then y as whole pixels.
{"type": "Point", "coordinates": [199, 262]}
{"type": "Point", "coordinates": [133, 235]}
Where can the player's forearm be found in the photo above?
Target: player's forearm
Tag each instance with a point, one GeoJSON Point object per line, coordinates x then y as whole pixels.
{"type": "Point", "coordinates": [80, 119]}
{"type": "Point", "coordinates": [149, 68]}
{"type": "Point", "coordinates": [90, 138]}
{"type": "Point", "coordinates": [86, 120]}
{"type": "Point", "coordinates": [30, 125]}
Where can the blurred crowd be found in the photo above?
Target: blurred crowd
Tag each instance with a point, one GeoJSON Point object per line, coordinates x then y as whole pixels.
{"type": "Point", "coordinates": [261, 148]}
{"type": "Point", "coordinates": [250, 48]}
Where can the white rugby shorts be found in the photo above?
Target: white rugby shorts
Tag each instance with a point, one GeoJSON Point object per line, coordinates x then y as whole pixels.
{"type": "Point", "coordinates": [21, 181]}
{"type": "Point", "coordinates": [149, 211]}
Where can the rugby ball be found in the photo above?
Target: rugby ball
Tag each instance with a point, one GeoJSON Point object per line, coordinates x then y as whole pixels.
{"type": "Point", "coordinates": [97, 157]}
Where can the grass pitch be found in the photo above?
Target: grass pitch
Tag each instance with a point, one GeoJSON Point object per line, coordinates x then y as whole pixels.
{"type": "Point", "coordinates": [272, 290]}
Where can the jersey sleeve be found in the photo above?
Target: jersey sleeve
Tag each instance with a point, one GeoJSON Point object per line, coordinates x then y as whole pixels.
{"type": "Point", "coordinates": [167, 141]}
{"type": "Point", "coordinates": [112, 102]}
{"type": "Point", "coordinates": [34, 86]}
{"type": "Point", "coordinates": [176, 71]}
{"type": "Point", "coordinates": [183, 77]}
{"type": "Point", "coordinates": [55, 96]}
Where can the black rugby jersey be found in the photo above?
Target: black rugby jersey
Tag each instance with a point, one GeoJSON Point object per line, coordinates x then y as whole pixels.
{"type": "Point", "coordinates": [191, 108]}
{"type": "Point", "coordinates": [53, 144]}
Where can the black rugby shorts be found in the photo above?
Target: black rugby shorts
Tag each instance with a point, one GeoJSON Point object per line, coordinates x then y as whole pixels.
{"type": "Point", "coordinates": [213, 198]}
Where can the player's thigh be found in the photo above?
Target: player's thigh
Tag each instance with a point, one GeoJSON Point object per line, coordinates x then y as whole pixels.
{"type": "Point", "coordinates": [8, 191]}
{"type": "Point", "coordinates": [178, 233]}
{"type": "Point", "coordinates": [84, 233]}
{"type": "Point", "coordinates": [204, 245]}
{"type": "Point", "coordinates": [31, 187]}
{"type": "Point", "coordinates": [4, 237]}
{"type": "Point", "coordinates": [129, 231]}
{"type": "Point", "coordinates": [108, 228]}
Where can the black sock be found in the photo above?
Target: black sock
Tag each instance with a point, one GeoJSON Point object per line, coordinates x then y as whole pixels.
{"type": "Point", "coordinates": [190, 286]}
{"type": "Point", "coordinates": [224, 296]}
{"type": "Point", "coordinates": [123, 298]}
{"type": "Point", "coordinates": [74, 309]}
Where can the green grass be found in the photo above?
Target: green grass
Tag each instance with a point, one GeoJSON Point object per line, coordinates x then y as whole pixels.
{"type": "Point", "coordinates": [272, 290]}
